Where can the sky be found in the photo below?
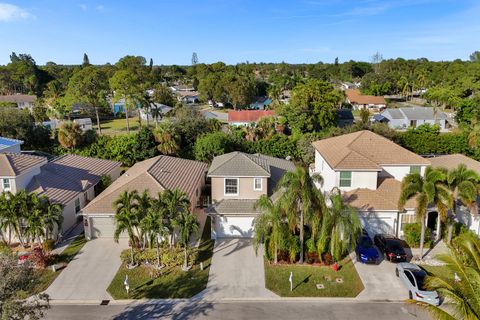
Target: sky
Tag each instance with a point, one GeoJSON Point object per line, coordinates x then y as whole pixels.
{"type": "Point", "coordinates": [234, 31]}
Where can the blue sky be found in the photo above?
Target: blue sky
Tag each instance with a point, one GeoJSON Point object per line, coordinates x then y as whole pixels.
{"type": "Point", "coordinates": [238, 30]}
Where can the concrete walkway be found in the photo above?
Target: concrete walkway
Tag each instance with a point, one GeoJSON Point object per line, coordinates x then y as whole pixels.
{"type": "Point", "coordinates": [89, 274]}
{"type": "Point", "coordinates": [68, 238]}
{"type": "Point", "coordinates": [236, 272]}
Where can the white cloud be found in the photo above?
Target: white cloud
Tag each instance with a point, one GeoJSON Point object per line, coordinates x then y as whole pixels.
{"type": "Point", "coordinates": [83, 6]}
{"type": "Point", "coordinates": [9, 12]}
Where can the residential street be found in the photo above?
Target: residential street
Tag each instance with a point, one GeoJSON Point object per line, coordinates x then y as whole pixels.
{"type": "Point", "coordinates": [240, 310]}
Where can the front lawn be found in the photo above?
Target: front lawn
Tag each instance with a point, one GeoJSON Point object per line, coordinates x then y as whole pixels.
{"type": "Point", "coordinates": [306, 277]}
{"type": "Point", "coordinates": [146, 282]}
{"type": "Point", "coordinates": [47, 276]}
{"type": "Point", "coordinates": [119, 126]}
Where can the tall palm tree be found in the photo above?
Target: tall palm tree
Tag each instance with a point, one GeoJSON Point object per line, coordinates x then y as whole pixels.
{"type": "Point", "coordinates": [8, 216]}
{"type": "Point", "coordinates": [302, 198]}
{"type": "Point", "coordinates": [144, 202]}
{"type": "Point", "coordinates": [340, 227]}
{"type": "Point", "coordinates": [69, 134]}
{"type": "Point", "coordinates": [167, 138]}
{"type": "Point", "coordinates": [153, 227]}
{"type": "Point", "coordinates": [175, 202]}
{"type": "Point", "coordinates": [462, 301]}
{"type": "Point", "coordinates": [463, 184]}
{"type": "Point", "coordinates": [52, 216]}
{"type": "Point", "coordinates": [428, 190]}
{"type": "Point", "coordinates": [188, 226]}
{"type": "Point", "coordinates": [126, 218]}
{"type": "Point", "coordinates": [270, 224]}
{"type": "Point", "coordinates": [34, 222]}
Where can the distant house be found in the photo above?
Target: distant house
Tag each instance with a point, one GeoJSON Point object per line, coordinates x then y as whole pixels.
{"type": "Point", "coordinates": [360, 101]}
{"type": "Point", "coordinates": [188, 97]}
{"type": "Point", "coordinates": [119, 107]}
{"type": "Point", "coordinates": [23, 101]}
{"type": "Point", "coordinates": [10, 145]}
{"type": "Point", "coordinates": [261, 103]}
{"type": "Point", "coordinates": [148, 115]}
{"type": "Point", "coordinates": [84, 123]}
{"type": "Point", "coordinates": [246, 117]}
{"type": "Point", "coordinates": [344, 117]}
{"type": "Point", "coordinates": [412, 117]}
{"type": "Point", "coordinates": [182, 88]}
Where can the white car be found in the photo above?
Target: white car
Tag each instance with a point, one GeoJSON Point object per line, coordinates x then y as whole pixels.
{"type": "Point", "coordinates": [413, 279]}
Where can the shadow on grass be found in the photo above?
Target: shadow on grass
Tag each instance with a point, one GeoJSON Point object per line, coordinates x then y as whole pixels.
{"type": "Point", "coordinates": [304, 281]}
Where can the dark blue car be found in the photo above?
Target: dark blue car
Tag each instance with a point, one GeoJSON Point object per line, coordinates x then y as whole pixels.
{"type": "Point", "coordinates": [366, 251]}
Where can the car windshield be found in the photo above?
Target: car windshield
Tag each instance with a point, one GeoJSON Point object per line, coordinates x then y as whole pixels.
{"type": "Point", "coordinates": [395, 246]}
{"type": "Point", "coordinates": [420, 278]}
{"type": "Point", "coordinates": [366, 242]}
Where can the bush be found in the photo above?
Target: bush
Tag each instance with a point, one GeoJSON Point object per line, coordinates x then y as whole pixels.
{"type": "Point", "coordinates": [412, 233]}
{"type": "Point", "coordinates": [48, 245]}
{"type": "Point", "coordinates": [5, 248]}
{"type": "Point", "coordinates": [170, 257]}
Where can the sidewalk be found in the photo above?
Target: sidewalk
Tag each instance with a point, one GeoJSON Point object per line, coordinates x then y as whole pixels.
{"type": "Point", "coordinates": [68, 238]}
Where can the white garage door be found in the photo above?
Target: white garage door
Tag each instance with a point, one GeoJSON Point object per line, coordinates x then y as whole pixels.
{"type": "Point", "coordinates": [231, 226]}
{"type": "Point", "coordinates": [375, 225]}
{"type": "Point", "coordinates": [103, 227]}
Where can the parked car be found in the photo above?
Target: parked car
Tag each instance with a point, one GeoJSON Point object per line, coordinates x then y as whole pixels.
{"type": "Point", "coordinates": [391, 247]}
{"type": "Point", "coordinates": [365, 250]}
{"type": "Point", "coordinates": [413, 278]}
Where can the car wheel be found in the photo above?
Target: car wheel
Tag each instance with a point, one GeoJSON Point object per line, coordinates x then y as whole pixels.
{"type": "Point", "coordinates": [410, 295]}
{"type": "Point", "coordinates": [396, 272]}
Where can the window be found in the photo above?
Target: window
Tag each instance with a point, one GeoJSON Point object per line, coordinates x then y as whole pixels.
{"type": "Point", "coordinates": [231, 186]}
{"type": "Point", "coordinates": [410, 277]}
{"type": "Point", "coordinates": [257, 184]}
{"type": "Point", "coordinates": [77, 205]}
{"type": "Point", "coordinates": [6, 184]}
{"type": "Point", "coordinates": [415, 169]}
{"type": "Point", "coordinates": [345, 179]}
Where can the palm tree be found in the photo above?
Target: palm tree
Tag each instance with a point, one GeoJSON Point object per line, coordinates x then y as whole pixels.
{"type": "Point", "coordinates": [144, 203]}
{"type": "Point", "coordinates": [340, 227]}
{"type": "Point", "coordinates": [462, 301]}
{"type": "Point", "coordinates": [12, 212]}
{"type": "Point", "coordinates": [270, 224]}
{"type": "Point", "coordinates": [34, 222]}
{"type": "Point", "coordinates": [175, 202]}
{"type": "Point", "coordinates": [153, 227]}
{"type": "Point", "coordinates": [474, 134]}
{"type": "Point", "coordinates": [462, 183]}
{"type": "Point", "coordinates": [167, 138]}
{"type": "Point", "coordinates": [69, 134]}
{"type": "Point", "coordinates": [126, 218]}
{"type": "Point", "coordinates": [428, 190]}
{"type": "Point", "coordinates": [214, 124]}
{"type": "Point", "coordinates": [52, 216]}
{"type": "Point", "coordinates": [302, 199]}
{"type": "Point", "coordinates": [188, 226]}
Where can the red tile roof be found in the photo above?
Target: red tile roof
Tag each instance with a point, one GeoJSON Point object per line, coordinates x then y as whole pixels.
{"type": "Point", "coordinates": [355, 97]}
{"type": "Point", "coordinates": [248, 115]}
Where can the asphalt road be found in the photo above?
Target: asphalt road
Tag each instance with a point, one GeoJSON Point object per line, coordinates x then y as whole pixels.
{"type": "Point", "coordinates": [264, 310]}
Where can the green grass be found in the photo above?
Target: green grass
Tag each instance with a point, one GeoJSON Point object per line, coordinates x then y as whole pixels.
{"type": "Point", "coordinates": [305, 278]}
{"type": "Point", "coordinates": [47, 275]}
{"type": "Point", "coordinates": [119, 126]}
{"type": "Point", "coordinates": [172, 283]}
{"type": "Point", "coordinates": [440, 271]}
{"type": "Point", "coordinates": [356, 113]}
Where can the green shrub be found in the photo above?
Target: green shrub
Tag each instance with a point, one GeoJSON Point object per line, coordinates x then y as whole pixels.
{"type": "Point", "coordinates": [5, 248]}
{"type": "Point", "coordinates": [412, 233]}
{"type": "Point", "coordinates": [48, 245]}
{"type": "Point", "coordinates": [170, 257]}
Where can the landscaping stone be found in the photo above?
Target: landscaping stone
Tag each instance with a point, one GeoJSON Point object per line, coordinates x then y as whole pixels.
{"type": "Point", "coordinates": [320, 286]}
{"type": "Point", "coordinates": [327, 278]}
{"type": "Point", "coordinates": [339, 280]}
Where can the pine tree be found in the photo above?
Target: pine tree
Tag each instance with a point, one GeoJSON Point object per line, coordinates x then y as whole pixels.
{"type": "Point", "coordinates": [86, 62]}
{"type": "Point", "coordinates": [194, 59]}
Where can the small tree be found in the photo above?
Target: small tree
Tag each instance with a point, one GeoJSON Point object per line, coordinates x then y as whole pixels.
{"type": "Point", "coordinates": [167, 138]}
{"type": "Point", "coordinates": [188, 226]}
{"type": "Point", "coordinates": [69, 135]}
{"type": "Point", "coordinates": [126, 218]}
{"type": "Point", "coordinates": [153, 225]}
{"type": "Point", "coordinates": [174, 201]}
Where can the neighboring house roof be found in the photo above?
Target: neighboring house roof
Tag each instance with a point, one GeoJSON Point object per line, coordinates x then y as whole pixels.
{"type": "Point", "coordinates": [14, 164]}
{"type": "Point", "coordinates": [16, 98]}
{"type": "Point", "coordinates": [65, 177]}
{"type": "Point", "coordinates": [239, 164]}
{"type": "Point", "coordinates": [248, 115]}
{"type": "Point", "coordinates": [384, 198]}
{"type": "Point", "coordinates": [364, 150]}
{"type": "Point", "coordinates": [451, 161]}
{"type": "Point", "coordinates": [186, 94]}
{"type": "Point", "coordinates": [84, 121]}
{"type": "Point", "coordinates": [415, 113]}
{"type": "Point", "coordinates": [235, 206]}
{"type": "Point", "coordinates": [155, 175]}
{"type": "Point", "coordinates": [8, 142]}
{"type": "Point", "coordinates": [355, 97]}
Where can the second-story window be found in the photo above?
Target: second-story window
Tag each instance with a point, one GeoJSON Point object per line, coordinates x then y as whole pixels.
{"type": "Point", "coordinates": [257, 184]}
{"type": "Point", "coordinates": [231, 186]}
{"type": "Point", "coordinates": [77, 205]}
{"type": "Point", "coordinates": [345, 179]}
{"type": "Point", "coordinates": [415, 169]}
{"type": "Point", "coordinates": [6, 184]}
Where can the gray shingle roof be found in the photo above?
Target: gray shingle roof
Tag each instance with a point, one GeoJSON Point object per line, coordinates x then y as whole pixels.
{"type": "Point", "coordinates": [395, 113]}
{"type": "Point", "coordinates": [239, 164]}
{"type": "Point", "coordinates": [415, 113]}
{"type": "Point", "coordinates": [235, 206]}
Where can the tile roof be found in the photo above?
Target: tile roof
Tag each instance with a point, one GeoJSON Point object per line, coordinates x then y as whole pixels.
{"type": "Point", "coordinates": [355, 97]}
{"type": "Point", "coordinates": [64, 178]}
{"type": "Point", "coordinates": [364, 150]}
{"type": "Point", "coordinates": [248, 115]}
{"type": "Point", "coordinates": [451, 161]}
{"type": "Point", "coordinates": [14, 164]}
{"type": "Point", "coordinates": [384, 198]}
{"type": "Point", "coordinates": [155, 175]}
{"type": "Point", "coordinates": [235, 206]}
{"type": "Point", "coordinates": [239, 164]}
{"type": "Point", "coordinates": [8, 142]}
{"type": "Point", "coordinates": [18, 98]}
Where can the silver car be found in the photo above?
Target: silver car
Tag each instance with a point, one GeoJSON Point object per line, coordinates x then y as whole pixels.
{"type": "Point", "coordinates": [413, 279]}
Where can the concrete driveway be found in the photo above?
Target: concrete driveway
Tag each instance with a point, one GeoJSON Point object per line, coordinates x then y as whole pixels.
{"type": "Point", "coordinates": [380, 282]}
{"type": "Point", "coordinates": [236, 272]}
{"type": "Point", "coordinates": [89, 274]}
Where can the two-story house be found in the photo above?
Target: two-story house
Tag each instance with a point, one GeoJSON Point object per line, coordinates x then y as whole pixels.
{"type": "Point", "coordinates": [238, 180]}
{"type": "Point", "coordinates": [368, 169]}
